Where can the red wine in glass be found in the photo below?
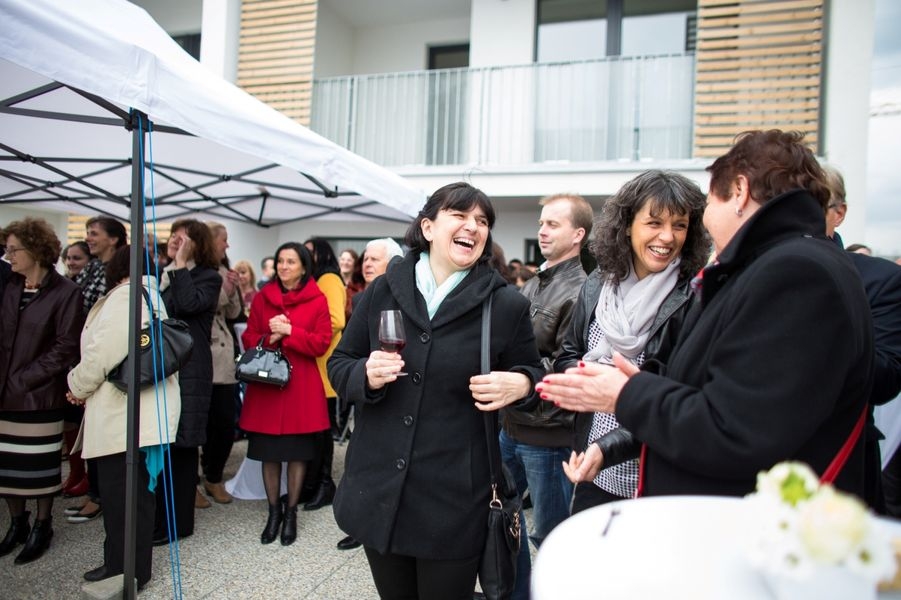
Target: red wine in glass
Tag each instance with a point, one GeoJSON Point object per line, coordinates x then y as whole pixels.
{"type": "Point", "coordinates": [391, 332]}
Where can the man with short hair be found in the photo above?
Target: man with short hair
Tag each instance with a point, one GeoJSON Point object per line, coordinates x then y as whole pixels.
{"type": "Point", "coordinates": [376, 259]}
{"type": "Point", "coordinates": [379, 253]}
{"type": "Point", "coordinates": [535, 443]}
{"type": "Point", "coordinates": [267, 270]}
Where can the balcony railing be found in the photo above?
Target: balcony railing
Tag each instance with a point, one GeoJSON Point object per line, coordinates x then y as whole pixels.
{"type": "Point", "coordinates": [616, 108]}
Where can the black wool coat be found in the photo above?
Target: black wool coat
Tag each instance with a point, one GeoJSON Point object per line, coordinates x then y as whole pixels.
{"type": "Point", "coordinates": [774, 364]}
{"type": "Point", "coordinates": [416, 480]}
{"type": "Point", "coordinates": [192, 296]}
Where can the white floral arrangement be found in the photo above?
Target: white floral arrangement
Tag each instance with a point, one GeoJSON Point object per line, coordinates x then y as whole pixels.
{"type": "Point", "coordinates": [803, 525]}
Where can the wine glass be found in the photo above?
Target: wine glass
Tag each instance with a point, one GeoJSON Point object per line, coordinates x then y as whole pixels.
{"type": "Point", "coordinates": [391, 332]}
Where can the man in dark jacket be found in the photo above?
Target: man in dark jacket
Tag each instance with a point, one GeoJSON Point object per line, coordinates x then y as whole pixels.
{"type": "Point", "coordinates": [534, 444]}
{"type": "Point", "coordinates": [882, 281]}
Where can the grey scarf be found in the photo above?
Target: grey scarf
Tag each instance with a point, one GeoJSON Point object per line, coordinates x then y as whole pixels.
{"type": "Point", "coordinates": [626, 311]}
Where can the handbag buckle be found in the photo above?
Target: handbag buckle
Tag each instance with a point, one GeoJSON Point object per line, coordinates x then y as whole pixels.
{"type": "Point", "coordinates": [495, 501]}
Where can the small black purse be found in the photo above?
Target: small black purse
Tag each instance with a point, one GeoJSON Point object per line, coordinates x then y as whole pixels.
{"type": "Point", "coordinates": [172, 346]}
{"type": "Point", "coordinates": [497, 569]}
{"type": "Point", "coordinates": [263, 365]}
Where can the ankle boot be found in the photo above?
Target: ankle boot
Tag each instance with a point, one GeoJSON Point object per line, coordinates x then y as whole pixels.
{"type": "Point", "coordinates": [16, 534]}
{"type": "Point", "coordinates": [38, 541]}
{"type": "Point", "coordinates": [289, 528]}
{"type": "Point", "coordinates": [273, 524]}
{"type": "Point", "coordinates": [324, 495]}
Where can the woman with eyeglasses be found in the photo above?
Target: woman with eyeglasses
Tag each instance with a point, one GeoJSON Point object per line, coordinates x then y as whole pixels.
{"type": "Point", "coordinates": [40, 326]}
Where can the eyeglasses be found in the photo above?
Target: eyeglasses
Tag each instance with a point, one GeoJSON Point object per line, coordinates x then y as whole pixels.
{"type": "Point", "coordinates": [11, 252]}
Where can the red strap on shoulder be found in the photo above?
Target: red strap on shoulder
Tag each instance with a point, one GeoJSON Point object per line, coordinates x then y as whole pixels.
{"type": "Point", "coordinates": [835, 467]}
{"type": "Point", "coordinates": [641, 462]}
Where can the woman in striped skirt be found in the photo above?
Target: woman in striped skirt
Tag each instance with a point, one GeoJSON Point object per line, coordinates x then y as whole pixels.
{"type": "Point", "coordinates": [40, 324]}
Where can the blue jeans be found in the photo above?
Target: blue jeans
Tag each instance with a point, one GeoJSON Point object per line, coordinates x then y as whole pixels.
{"type": "Point", "coordinates": [539, 469]}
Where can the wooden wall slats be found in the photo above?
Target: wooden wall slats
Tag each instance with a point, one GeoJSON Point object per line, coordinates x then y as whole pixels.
{"type": "Point", "coordinates": [759, 66]}
{"type": "Point", "coordinates": [276, 53]}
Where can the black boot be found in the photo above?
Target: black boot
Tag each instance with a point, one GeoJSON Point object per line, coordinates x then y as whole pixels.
{"type": "Point", "coordinates": [16, 534]}
{"type": "Point", "coordinates": [289, 528]}
{"type": "Point", "coordinates": [273, 524]}
{"type": "Point", "coordinates": [38, 541]}
{"type": "Point", "coordinates": [324, 496]}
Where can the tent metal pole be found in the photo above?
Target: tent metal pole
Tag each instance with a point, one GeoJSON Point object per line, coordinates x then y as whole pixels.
{"type": "Point", "coordinates": [135, 299]}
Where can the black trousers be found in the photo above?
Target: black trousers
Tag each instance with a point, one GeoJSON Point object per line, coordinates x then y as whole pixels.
{"type": "Point", "coordinates": [111, 476]}
{"type": "Point", "coordinates": [182, 487]}
{"type": "Point", "coordinates": [220, 432]}
{"type": "Point", "coordinates": [588, 495]}
{"type": "Point", "coordinates": [399, 577]}
{"type": "Point", "coordinates": [93, 482]}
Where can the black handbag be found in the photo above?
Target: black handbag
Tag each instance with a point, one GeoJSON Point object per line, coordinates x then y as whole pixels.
{"type": "Point", "coordinates": [172, 346]}
{"type": "Point", "coordinates": [263, 365]}
{"type": "Point", "coordinates": [497, 569]}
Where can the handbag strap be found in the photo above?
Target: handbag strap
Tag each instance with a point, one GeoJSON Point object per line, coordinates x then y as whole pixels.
{"type": "Point", "coordinates": [490, 417]}
{"type": "Point", "coordinates": [835, 467]}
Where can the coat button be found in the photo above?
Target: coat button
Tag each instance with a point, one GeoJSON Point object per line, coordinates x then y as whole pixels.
{"type": "Point", "coordinates": [417, 377]}
{"type": "Point", "coordinates": [400, 464]}
{"type": "Point", "coordinates": [424, 338]}
{"type": "Point", "coordinates": [408, 420]}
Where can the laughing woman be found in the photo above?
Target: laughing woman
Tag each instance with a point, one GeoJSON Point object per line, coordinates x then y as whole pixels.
{"type": "Point", "coordinates": [415, 490]}
{"type": "Point", "coordinates": [40, 324]}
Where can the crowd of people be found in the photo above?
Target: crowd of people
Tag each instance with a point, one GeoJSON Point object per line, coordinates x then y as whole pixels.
{"type": "Point", "coordinates": [716, 336]}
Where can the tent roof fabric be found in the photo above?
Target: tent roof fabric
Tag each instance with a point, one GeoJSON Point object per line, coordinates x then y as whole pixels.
{"type": "Point", "coordinates": [70, 72]}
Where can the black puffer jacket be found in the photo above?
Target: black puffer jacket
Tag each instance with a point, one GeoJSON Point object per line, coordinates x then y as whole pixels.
{"type": "Point", "coordinates": [192, 296]}
{"type": "Point", "coordinates": [619, 445]}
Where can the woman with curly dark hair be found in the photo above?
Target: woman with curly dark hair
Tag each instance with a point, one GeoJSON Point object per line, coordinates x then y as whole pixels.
{"type": "Point", "coordinates": [40, 326]}
{"type": "Point", "coordinates": [190, 288]}
{"type": "Point", "coordinates": [649, 241]}
{"type": "Point", "coordinates": [777, 362]}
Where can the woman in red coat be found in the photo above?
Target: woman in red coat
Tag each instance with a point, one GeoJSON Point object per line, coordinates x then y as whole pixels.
{"type": "Point", "coordinates": [281, 423]}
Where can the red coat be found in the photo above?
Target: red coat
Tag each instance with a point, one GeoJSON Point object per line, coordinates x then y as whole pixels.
{"type": "Point", "coordinates": [300, 406]}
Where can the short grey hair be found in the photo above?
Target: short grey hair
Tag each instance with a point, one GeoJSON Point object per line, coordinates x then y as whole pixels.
{"type": "Point", "coordinates": [391, 247]}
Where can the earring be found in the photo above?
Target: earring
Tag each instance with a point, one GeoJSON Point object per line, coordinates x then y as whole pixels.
{"type": "Point", "coordinates": [738, 212]}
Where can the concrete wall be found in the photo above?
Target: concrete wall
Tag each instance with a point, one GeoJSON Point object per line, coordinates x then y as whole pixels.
{"type": "Point", "coordinates": [334, 44]}
{"type": "Point", "coordinates": [404, 47]}
{"type": "Point", "coordinates": [502, 32]}
{"type": "Point", "coordinates": [847, 103]}
{"type": "Point", "coordinates": [221, 27]}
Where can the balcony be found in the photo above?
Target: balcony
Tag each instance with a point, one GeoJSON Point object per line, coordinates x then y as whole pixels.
{"type": "Point", "coordinates": [619, 108]}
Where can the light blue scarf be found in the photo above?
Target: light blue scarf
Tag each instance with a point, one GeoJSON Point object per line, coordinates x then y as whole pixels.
{"type": "Point", "coordinates": [433, 293]}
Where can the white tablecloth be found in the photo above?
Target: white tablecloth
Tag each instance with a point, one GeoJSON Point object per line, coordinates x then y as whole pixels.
{"type": "Point", "coordinates": [674, 547]}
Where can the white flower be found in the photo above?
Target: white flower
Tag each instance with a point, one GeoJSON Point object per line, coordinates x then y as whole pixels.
{"type": "Point", "coordinates": [800, 524]}
{"type": "Point", "coordinates": [831, 525]}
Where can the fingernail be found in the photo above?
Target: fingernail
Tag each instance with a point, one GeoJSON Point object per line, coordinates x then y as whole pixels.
{"type": "Point", "coordinates": [581, 364]}
{"type": "Point", "coordinates": [556, 403]}
{"type": "Point", "coordinates": [538, 387]}
{"type": "Point", "coordinates": [544, 396]}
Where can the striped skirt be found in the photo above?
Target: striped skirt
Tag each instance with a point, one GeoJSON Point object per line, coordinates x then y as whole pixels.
{"type": "Point", "coordinates": [31, 443]}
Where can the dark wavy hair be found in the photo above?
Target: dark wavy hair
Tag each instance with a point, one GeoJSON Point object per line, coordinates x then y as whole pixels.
{"type": "Point", "coordinates": [111, 226]}
{"type": "Point", "coordinates": [305, 259]}
{"type": "Point", "coordinates": [453, 196]}
{"type": "Point", "coordinates": [324, 260]}
{"type": "Point", "coordinates": [119, 267]}
{"type": "Point", "coordinates": [774, 162]}
{"type": "Point", "coordinates": [200, 234]}
{"type": "Point", "coordinates": [38, 239]}
{"type": "Point", "coordinates": [667, 192]}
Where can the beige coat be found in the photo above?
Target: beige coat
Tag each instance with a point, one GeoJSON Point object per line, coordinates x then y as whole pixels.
{"type": "Point", "coordinates": [104, 344]}
{"type": "Point", "coordinates": [222, 343]}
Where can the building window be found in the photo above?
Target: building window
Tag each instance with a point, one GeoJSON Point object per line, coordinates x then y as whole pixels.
{"type": "Point", "coordinates": [448, 57]}
{"type": "Point", "coordinates": [190, 43]}
{"type": "Point", "coordinates": [570, 30]}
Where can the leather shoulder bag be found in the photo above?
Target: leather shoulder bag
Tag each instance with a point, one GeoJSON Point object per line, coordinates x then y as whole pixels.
{"type": "Point", "coordinates": [263, 365]}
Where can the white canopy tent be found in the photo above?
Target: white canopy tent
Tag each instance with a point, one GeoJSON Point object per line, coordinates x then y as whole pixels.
{"type": "Point", "coordinates": [82, 82]}
{"type": "Point", "coordinates": [82, 65]}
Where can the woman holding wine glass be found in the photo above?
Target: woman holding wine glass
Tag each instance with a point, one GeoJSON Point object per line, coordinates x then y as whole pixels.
{"type": "Point", "coordinates": [416, 485]}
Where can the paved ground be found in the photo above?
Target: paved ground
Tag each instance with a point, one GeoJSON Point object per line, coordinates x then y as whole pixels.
{"type": "Point", "coordinates": [223, 559]}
